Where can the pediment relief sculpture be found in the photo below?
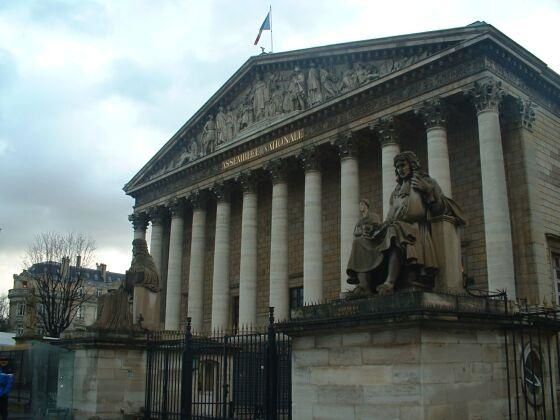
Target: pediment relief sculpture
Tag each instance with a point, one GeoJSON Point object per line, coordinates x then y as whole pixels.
{"type": "Point", "coordinates": [273, 94]}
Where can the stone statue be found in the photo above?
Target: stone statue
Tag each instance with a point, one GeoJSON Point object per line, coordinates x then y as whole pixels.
{"type": "Point", "coordinates": [364, 74]}
{"type": "Point", "coordinates": [314, 86]}
{"type": "Point", "coordinates": [400, 252]}
{"type": "Point", "coordinates": [295, 98]}
{"type": "Point", "coordinates": [246, 113]}
{"type": "Point", "coordinates": [114, 307]}
{"type": "Point", "coordinates": [221, 131]}
{"type": "Point", "coordinates": [349, 80]}
{"type": "Point", "coordinates": [208, 136]}
{"type": "Point", "coordinates": [230, 124]}
{"type": "Point", "coordinates": [276, 100]}
{"type": "Point", "coordinates": [328, 83]}
{"type": "Point", "coordinates": [143, 270]}
{"type": "Point", "coordinates": [261, 97]}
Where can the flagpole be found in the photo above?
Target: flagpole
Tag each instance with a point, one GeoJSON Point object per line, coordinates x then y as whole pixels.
{"type": "Point", "coordinates": [270, 21]}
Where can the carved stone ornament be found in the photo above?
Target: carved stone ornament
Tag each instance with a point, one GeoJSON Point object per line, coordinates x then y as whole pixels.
{"type": "Point", "coordinates": [310, 158]}
{"type": "Point", "coordinates": [269, 95]}
{"type": "Point", "coordinates": [139, 220]}
{"type": "Point", "coordinates": [221, 190]}
{"type": "Point", "coordinates": [278, 170]}
{"type": "Point", "coordinates": [197, 199]}
{"type": "Point", "coordinates": [176, 206]}
{"type": "Point", "coordinates": [346, 146]}
{"type": "Point", "coordinates": [157, 215]}
{"type": "Point", "coordinates": [433, 112]}
{"type": "Point", "coordinates": [248, 181]}
{"type": "Point", "coordinates": [385, 128]}
{"type": "Point", "coordinates": [526, 113]}
{"type": "Point", "coordinates": [486, 95]}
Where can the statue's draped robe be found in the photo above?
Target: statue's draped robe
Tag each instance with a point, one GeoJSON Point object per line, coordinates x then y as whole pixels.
{"type": "Point", "coordinates": [407, 228]}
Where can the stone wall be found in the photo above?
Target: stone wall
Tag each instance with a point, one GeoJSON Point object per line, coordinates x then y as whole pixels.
{"type": "Point", "coordinates": [404, 373]}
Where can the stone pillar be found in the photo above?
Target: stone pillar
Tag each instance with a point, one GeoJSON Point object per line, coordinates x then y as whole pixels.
{"type": "Point", "coordinates": [196, 267]}
{"type": "Point", "coordinates": [248, 262]}
{"type": "Point", "coordinates": [220, 280]}
{"type": "Point", "coordinates": [349, 203]}
{"type": "Point", "coordinates": [389, 149]}
{"type": "Point", "coordinates": [140, 224]}
{"type": "Point", "coordinates": [312, 228]}
{"type": "Point", "coordinates": [499, 250]}
{"type": "Point", "coordinates": [435, 119]}
{"type": "Point", "coordinates": [174, 266]}
{"type": "Point", "coordinates": [156, 242]}
{"type": "Point", "coordinates": [279, 289]}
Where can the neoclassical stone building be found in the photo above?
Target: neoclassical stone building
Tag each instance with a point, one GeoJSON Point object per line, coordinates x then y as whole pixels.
{"type": "Point", "coordinates": [252, 203]}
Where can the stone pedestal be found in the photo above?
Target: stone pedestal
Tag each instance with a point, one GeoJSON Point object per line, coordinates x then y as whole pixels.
{"type": "Point", "coordinates": [109, 374]}
{"type": "Point", "coordinates": [145, 306]}
{"type": "Point", "coordinates": [421, 355]}
{"type": "Point", "coordinates": [447, 244]}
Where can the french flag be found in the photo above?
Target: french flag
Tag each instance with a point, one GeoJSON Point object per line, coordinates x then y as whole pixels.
{"type": "Point", "coordinates": [264, 27]}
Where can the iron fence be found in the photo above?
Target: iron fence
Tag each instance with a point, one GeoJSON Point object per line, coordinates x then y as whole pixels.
{"type": "Point", "coordinates": [242, 375]}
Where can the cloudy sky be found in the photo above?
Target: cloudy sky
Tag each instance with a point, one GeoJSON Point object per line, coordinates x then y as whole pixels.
{"type": "Point", "coordinates": [90, 90]}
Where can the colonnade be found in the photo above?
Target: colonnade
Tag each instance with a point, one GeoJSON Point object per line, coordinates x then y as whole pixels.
{"type": "Point", "coordinates": [496, 215]}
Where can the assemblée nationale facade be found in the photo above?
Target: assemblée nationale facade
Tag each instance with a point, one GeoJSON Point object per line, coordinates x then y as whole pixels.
{"type": "Point", "coordinates": [253, 202]}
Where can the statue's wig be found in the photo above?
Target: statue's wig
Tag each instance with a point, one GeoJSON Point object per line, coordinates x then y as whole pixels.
{"type": "Point", "coordinates": [412, 160]}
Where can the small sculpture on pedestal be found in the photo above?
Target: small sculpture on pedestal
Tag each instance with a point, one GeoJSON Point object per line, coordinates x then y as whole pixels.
{"type": "Point", "coordinates": [399, 253]}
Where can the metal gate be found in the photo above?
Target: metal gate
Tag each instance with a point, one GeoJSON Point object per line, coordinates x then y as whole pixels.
{"type": "Point", "coordinates": [532, 362]}
{"type": "Point", "coordinates": [245, 375]}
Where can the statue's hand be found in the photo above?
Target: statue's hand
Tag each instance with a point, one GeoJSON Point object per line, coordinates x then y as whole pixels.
{"type": "Point", "coordinates": [421, 185]}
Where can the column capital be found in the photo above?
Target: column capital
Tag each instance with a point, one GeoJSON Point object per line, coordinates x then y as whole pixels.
{"type": "Point", "coordinates": [221, 190]}
{"type": "Point", "coordinates": [278, 170]}
{"type": "Point", "coordinates": [385, 128]}
{"type": "Point", "coordinates": [310, 158]}
{"type": "Point", "coordinates": [197, 199]}
{"type": "Point", "coordinates": [346, 145]}
{"type": "Point", "coordinates": [433, 113]}
{"type": "Point", "coordinates": [486, 95]}
{"type": "Point", "coordinates": [523, 113]}
{"type": "Point", "coordinates": [248, 181]}
{"type": "Point", "coordinates": [176, 206]}
{"type": "Point", "coordinates": [139, 220]}
{"type": "Point", "coordinates": [156, 215]}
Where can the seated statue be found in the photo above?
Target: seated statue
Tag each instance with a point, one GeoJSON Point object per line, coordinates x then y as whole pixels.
{"type": "Point", "coordinates": [399, 253]}
{"type": "Point", "coordinates": [114, 308]}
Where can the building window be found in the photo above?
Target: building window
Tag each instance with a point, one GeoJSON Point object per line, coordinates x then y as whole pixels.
{"type": "Point", "coordinates": [24, 284]}
{"type": "Point", "coordinates": [80, 291]}
{"type": "Point", "coordinates": [80, 312]}
{"type": "Point", "coordinates": [98, 292]}
{"type": "Point", "coordinates": [296, 297]}
{"type": "Point", "coordinates": [21, 309]}
{"type": "Point", "coordinates": [206, 375]}
{"type": "Point", "coordinates": [556, 273]}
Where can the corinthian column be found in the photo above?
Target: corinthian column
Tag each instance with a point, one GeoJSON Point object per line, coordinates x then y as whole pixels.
{"type": "Point", "coordinates": [389, 149]}
{"type": "Point", "coordinates": [139, 224]}
{"type": "Point", "coordinates": [220, 280]}
{"type": "Point", "coordinates": [174, 266]}
{"type": "Point", "coordinates": [349, 202]}
{"type": "Point", "coordinates": [435, 120]}
{"type": "Point", "coordinates": [312, 228]}
{"type": "Point", "coordinates": [499, 251]}
{"type": "Point", "coordinates": [248, 263]}
{"type": "Point", "coordinates": [157, 216]}
{"type": "Point", "coordinates": [196, 267]}
{"type": "Point", "coordinates": [279, 290]}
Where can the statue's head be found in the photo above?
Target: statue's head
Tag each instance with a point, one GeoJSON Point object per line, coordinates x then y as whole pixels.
{"type": "Point", "coordinates": [364, 205]}
{"type": "Point", "coordinates": [406, 163]}
{"type": "Point", "coordinates": [139, 247]}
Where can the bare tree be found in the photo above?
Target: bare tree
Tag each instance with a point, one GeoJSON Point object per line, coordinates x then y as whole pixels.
{"type": "Point", "coordinates": [4, 313]}
{"type": "Point", "coordinates": [60, 288]}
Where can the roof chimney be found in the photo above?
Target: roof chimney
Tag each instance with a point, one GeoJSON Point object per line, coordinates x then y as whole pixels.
{"type": "Point", "coordinates": [103, 271]}
{"type": "Point", "coordinates": [78, 261]}
{"type": "Point", "coordinates": [64, 266]}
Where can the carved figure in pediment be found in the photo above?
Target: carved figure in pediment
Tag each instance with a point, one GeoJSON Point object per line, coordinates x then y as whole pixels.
{"type": "Point", "coordinates": [230, 124]}
{"type": "Point", "coordinates": [296, 95]}
{"type": "Point", "coordinates": [221, 132]}
{"type": "Point", "coordinates": [246, 113]}
{"type": "Point", "coordinates": [365, 74]}
{"type": "Point", "coordinates": [349, 80]}
{"type": "Point", "coordinates": [189, 153]}
{"type": "Point", "coordinates": [276, 100]}
{"type": "Point", "coordinates": [329, 84]}
{"type": "Point", "coordinates": [314, 86]}
{"type": "Point", "coordinates": [208, 135]}
{"type": "Point", "coordinates": [261, 96]}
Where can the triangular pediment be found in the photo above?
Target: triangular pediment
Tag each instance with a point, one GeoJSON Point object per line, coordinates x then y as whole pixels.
{"type": "Point", "coordinates": [272, 87]}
